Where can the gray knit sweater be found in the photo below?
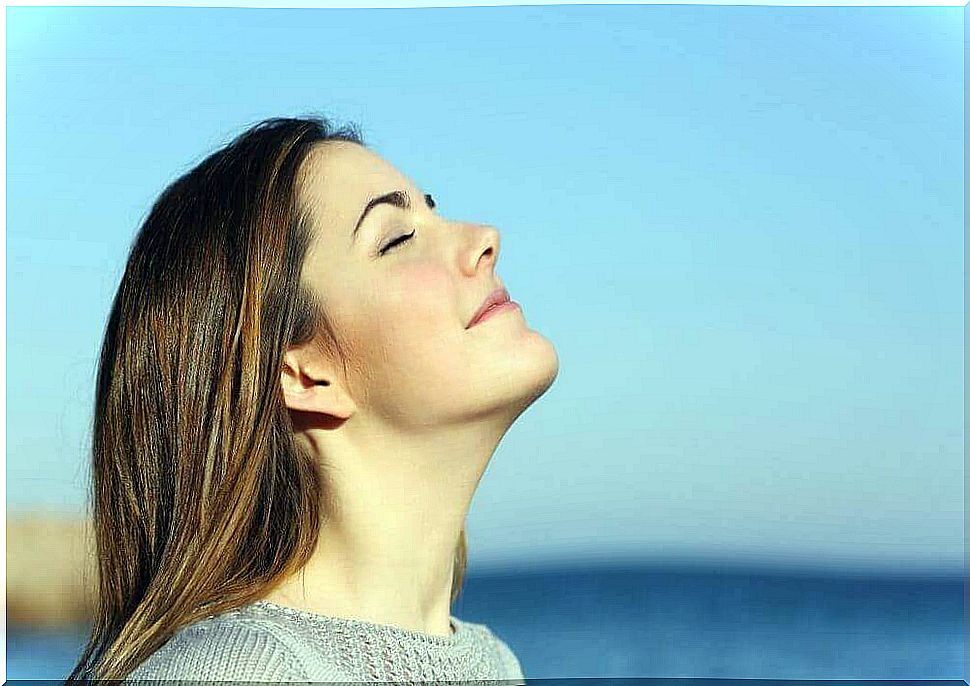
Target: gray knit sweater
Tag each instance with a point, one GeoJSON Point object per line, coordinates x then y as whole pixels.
{"type": "Point", "coordinates": [264, 641]}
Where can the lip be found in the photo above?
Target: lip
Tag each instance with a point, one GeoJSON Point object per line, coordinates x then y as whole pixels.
{"type": "Point", "coordinates": [496, 309]}
{"type": "Point", "coordinates": [499, 296]}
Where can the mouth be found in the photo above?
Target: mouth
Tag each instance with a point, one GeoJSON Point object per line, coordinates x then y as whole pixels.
{"type": "Point", "coordinates": [494, 309]}
{"type": "Point", "coordinates": [497, 299]}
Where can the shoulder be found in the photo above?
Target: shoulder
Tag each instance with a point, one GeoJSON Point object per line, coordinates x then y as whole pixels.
{"type": "Point", "coordinates": [226, 647]}
{"type": "Point", "coordinates": [505, 659]}
{"type": "Point", "coordinates": [510, 663]}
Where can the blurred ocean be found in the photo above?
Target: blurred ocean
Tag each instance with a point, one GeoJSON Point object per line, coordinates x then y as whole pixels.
{"type": "Point", "coordinates": [667, 622]}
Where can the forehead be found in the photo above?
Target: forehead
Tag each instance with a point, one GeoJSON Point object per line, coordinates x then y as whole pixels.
{"type": "Point", "coordinates": [338, 178]}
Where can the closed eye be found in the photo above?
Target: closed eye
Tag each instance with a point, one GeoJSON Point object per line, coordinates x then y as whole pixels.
{"type": "Point", "coordinates": [431, 204]}
{"type": "Point", "coordinates": [396, 242]}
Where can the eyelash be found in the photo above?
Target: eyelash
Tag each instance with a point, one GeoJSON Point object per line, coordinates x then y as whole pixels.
{"type": "Point", "coordinates": [405, 238]}
{"type": "Point", "coordinates": [396, 242]}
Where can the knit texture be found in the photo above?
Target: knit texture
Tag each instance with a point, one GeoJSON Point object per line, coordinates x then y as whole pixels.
{"type": "Point", "coordinates": [264, 641]}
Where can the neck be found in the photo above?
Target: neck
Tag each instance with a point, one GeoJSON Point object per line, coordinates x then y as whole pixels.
{"type": "Point", "coordinates": [387, 545]}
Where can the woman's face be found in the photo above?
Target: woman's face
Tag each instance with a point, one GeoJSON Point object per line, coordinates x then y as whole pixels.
{"type": "Point", "coordinates": [400, 305]}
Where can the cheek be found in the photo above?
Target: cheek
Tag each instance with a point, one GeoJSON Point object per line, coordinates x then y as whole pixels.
{"type": "Point", "coordinates": [419, 296]}
{"type": "Point", "coordinates": [413, 313]}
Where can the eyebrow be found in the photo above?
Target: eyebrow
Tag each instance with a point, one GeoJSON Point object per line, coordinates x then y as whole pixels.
{"type": "Point", "coordinates": [399, 199]}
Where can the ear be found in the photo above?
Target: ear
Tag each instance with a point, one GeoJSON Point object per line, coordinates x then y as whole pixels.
{"type": "Point", "coordinates": [309, 384]}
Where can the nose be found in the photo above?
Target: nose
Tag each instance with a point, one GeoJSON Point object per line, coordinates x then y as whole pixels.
{"type": "Point", "coordinates": [485, 242]}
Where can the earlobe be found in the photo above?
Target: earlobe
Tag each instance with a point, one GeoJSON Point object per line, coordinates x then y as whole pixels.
{"type": "Point", "coordinates": [318, 396]}
{"type": "Point", "coordinates": [299, 392]}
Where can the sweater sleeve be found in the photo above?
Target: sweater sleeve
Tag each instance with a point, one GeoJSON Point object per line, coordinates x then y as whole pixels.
{"type": "Point", "coordinates": [222, 652]}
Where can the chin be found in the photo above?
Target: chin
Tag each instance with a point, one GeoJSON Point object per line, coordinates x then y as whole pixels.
{"type": "Point", "coordinates": [547, 372]}
{"type": "Point", "coordinates": [536, 368]}
{"type": "Point", "coordinates": [508, 384]}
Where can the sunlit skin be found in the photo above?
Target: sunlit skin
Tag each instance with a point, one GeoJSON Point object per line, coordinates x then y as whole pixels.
{"type": "Point", "coordinates": [406, 429]}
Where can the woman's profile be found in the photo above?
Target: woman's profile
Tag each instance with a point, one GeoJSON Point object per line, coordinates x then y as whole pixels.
{"type": "Point", "coordinates": [297, 396]}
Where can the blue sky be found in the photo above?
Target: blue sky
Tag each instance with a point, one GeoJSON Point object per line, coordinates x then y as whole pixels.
{"type": "Point", "coordinates": [741, 227]}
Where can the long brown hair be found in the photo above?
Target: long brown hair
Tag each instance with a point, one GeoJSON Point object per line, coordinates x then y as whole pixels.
{"type": "Point", "coordinates": [202, 499]}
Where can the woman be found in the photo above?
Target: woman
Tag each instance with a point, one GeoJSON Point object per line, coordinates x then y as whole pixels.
{"type": "Point", "coordinates": [296, 400]}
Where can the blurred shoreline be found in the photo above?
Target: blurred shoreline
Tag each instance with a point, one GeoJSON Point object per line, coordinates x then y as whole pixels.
{"type": "Point", "coordinates": [50, 569]}
{"type": "Point", "coordinates": [625, 619]}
